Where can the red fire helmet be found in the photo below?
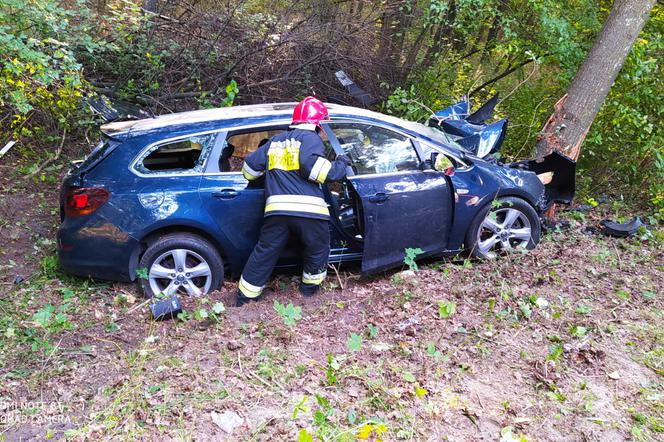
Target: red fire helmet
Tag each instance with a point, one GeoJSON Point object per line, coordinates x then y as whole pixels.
{"type": "Point", "coordinates": [310, 110]}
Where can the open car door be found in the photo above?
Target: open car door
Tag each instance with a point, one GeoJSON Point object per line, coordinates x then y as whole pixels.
{"type": "Point", "coordinates": [399, 205]}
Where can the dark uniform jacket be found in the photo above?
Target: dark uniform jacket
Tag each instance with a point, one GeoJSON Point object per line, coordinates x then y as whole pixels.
{"type": "Point", "coordinates": [294, 166]}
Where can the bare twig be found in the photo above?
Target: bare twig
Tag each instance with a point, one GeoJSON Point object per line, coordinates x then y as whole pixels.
{"type": "Point", "coordinates": [333, 267]}
{"type": "Point", "coordinates": [48, 161]}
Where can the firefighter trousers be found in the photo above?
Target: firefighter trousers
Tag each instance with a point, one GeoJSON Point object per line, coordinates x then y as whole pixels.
{"type": "Point", "coordinates": [314, 237]}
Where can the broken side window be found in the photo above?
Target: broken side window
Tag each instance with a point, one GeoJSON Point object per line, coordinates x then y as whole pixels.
{"type": "Point", "coordinates": [185, 155]}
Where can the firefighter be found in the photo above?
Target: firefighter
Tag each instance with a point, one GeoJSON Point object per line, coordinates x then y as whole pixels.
{"type": "Point", "coordinates": [294, 165]}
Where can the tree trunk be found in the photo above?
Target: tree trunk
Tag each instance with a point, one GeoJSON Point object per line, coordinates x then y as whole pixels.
{"type": "Point", "coordinates": [574, 113]}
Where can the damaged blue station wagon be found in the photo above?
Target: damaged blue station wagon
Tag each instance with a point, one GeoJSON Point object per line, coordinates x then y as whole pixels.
{"type": "Point", "coordinates": [167, 194]}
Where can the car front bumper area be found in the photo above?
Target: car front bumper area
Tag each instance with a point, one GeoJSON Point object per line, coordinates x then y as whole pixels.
{"type": "Point", "coordinates": [97, 249]}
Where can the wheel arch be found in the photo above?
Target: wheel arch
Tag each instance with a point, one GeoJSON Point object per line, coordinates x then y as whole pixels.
{"type": "Point", "coordinates": [516, 193]}
{"type": "Point", "coordinates": [151, 236]}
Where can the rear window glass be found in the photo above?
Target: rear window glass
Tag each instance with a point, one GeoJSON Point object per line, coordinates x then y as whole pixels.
{"type": "Point", "coordinates": [101, 149]}
{"type": "Point", "coordinates": [185, 155]}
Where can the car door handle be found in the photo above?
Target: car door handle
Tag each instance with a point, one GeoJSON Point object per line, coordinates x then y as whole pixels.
{"type": "Point", "coordinates": [378, 198]}
{"type": "Point", "coordinates": [226, 194]}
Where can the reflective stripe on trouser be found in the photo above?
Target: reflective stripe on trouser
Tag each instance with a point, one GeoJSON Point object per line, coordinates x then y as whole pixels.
{"type": "Point", "coordinates": [296, 203]}
{"type": "Point", "coordinates": [314, 278]}
{"type": "Point", "coordinates": [249, 290]}
{"type": "Point", "coordinates": [313, 234]}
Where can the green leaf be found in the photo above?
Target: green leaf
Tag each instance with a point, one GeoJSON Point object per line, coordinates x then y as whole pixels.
{"type": "Point", "coordinates": [304, 436]}
{"type": "Point", "coordinates": [525, 309]}
{"type": "Point", "coordinates": [373, 330]}
{"type": "Point", "coordinates": [446, 309]}
{"type": "Point", "coordinates": [649, 295]}
{"type": "Point", "coordinates": [352, 416]}
{"type": "Point", "coordinates": [583, 309]}
{"type": "Point", "coordinates": [43, 315]}
{"type": "Point", "coordinates": [409, 377]}
{"type": "Point", "coordinates": [354, 342]}
{"type": "Point", "coordinates": [555, 352]}
{"type": "Point", "coordinates": [111, 327]}
{"type": "Point", "coordinates": [142, 273]}
{"type": "Point", "coordinates": [411, 255]}
{"type": "Point", "coordinates": [218, 308]}
{"type": "Point", "coordinates": [578, 331]}
{"type": "Point", "coordinates": [290, 313]}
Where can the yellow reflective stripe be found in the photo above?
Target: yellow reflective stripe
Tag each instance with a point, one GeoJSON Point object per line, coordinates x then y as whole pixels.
{"type": "Point", "coordinates": [296, 203]}
{"type": "Point", "coordinates": [317, 278]}
{"type": "Point", "coordinates": [322, 176]}
{"type": "Point", "coordinates": [315, 170]}
{"type": "Point", "coordinates": [249, 290]}
{"type": "Point", "coordinates": [320, 170]}
{"type": "Point", "coordinates": [284, 155]}
{"type": "Point", "coordinates": [249, 173]}
{"type": "Point", "coordinates": [295, 207]}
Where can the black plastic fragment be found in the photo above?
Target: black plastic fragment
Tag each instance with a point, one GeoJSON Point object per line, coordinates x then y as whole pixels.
{"type": "Point", "coordinates": [563, 184]}
{"type": "Point", "coordinates": [618, 230]}
{"type": "Point", "coordinates": [116, 110]}
{"type": "Point", "coordinates": [165, 309]}
{"type": "Point", "coordinates": [365, 98]}
{"type": "Point", "coordinates": [485, 112]}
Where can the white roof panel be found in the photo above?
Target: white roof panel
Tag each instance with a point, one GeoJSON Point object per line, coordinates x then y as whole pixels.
{"type": "Point", "coordinates": [228, 113]}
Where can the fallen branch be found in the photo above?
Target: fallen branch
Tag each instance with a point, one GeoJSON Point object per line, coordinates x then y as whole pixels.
{"type": "Point", "coordinates": [50, 160]}
{"type": "Point", "coordinates": [333, 267]}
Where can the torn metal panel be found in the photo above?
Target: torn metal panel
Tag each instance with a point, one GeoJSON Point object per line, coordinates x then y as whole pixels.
{"type": "Point", "coordinates": [561, 185]}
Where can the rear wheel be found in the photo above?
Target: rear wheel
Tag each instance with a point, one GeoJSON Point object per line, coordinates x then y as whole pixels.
{"type": "Point", "coordinates": [181, 263]}
{"type": "Point", "coordinates": [504, 226]}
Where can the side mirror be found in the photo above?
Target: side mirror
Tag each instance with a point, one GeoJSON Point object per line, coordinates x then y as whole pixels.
{"type": "Point", "coordinates": [442, 164]}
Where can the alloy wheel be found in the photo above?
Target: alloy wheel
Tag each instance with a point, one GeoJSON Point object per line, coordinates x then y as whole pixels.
{"type": "Point", "coordinates": [180, 271]}
{"type": "Point", "coordinates": [503, 230]}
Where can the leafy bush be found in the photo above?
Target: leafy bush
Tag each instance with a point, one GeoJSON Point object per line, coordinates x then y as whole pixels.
{"type": "Point", "coordinates": [40, 78]}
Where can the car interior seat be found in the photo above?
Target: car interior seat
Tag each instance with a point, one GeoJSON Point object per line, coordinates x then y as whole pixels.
{"type": "Point", "coordinates": [224, 158]}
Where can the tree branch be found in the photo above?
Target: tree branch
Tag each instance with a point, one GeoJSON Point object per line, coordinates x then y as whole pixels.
{"type": "Point", "coordinates": [505, 73]}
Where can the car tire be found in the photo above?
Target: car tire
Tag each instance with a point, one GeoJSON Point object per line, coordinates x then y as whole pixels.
{"type": "Point", "coordinates": [182, 264]}
{"type": "Point", "coordinates": [507, 224]}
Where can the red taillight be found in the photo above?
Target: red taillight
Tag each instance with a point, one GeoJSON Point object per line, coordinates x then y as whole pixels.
{"type": "Point", "coordinates": [85, 200]}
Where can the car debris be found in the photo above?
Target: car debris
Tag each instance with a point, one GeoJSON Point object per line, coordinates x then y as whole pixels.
{"type": "Point", "coordinates": [6, 148]}
{"type": "Point", "coordinates": [228, 421]}
{"type": "Point", "coordinates": [165, 308]}
{"type": "Point", "coordinates": [363, 97]}
{"type": "Point", "coordinates": [618, 230]}
{"type": "Point", "coordinates": [116, 110]}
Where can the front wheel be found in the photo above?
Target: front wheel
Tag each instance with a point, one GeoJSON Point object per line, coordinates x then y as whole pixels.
{"type": "Point", "coordinates": [505, 225]}
{"type": "Point", "coordinates": [181, 263]}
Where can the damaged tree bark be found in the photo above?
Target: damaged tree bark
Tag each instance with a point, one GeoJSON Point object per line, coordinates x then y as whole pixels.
{"type": "Point", "coordinates": [574, 113]}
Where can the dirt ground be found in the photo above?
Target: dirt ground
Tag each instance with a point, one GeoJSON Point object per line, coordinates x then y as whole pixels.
{"type": "Point", "coordinates": [561, 344]}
